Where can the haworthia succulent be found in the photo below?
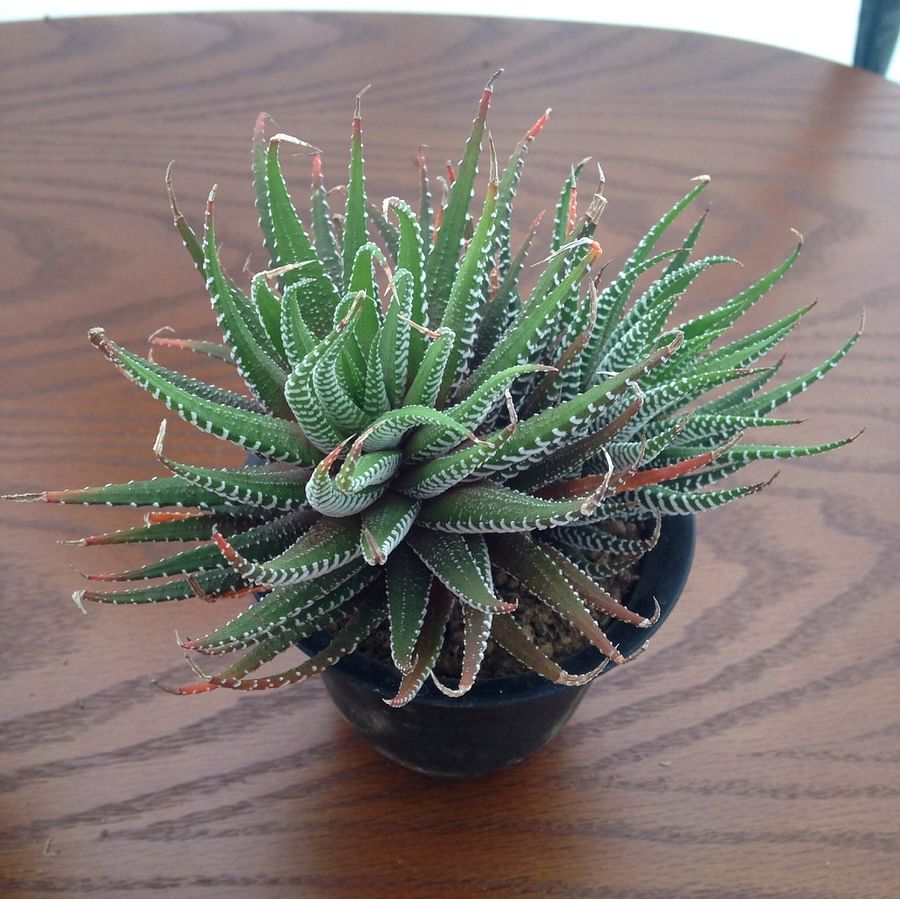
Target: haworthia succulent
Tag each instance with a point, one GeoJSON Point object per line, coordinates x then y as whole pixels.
{"type": "Point", "coordinates": [425, 423]}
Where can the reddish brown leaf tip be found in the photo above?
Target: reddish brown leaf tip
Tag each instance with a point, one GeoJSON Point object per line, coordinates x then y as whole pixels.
{"type": "Point", "coordinates": [227, 550]}
{"type": "Point", "coordinates": [186, 689]}
{"type": "Point", "coordinates": [537, 127]}
{"type": "Point", "coordinates": [259, 129]}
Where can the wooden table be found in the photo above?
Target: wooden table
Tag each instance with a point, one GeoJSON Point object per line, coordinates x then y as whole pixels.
{"type": "Point", "coordinates": [753, 752]}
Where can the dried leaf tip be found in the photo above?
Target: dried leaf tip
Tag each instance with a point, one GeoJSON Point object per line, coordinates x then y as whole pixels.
{"type": "Point", "coordinates": [422, 329]}
{"type": "Point", "coordinates": [160, 440]}
{"type": "Point", "coordinates": [170, 191]}
{"type": "Point", "coordinates": [272, 274]}
{"type": "Point", "coordinates": [795, 232]}
{"type": "Point", "coordinates": [566, 247]}
{"type": "Point", "coordinates": [290, 139]}
{"type": "Point", "coordinates": [378, 557]}
{"type": "Point", "coordinates": [165, 329]}
{"type": "Point", "coordinates": [755, 488]}
{"type": "Point", "coordinates": [78, 599]}
{"type": "Point", "coordinates": [511, 409]}
{"type": "Point", "coordinates": [649, 622]}
{"type": "Point", "coordinates": [358, 111]}
{"type": "Point", "coordinates": [494, 170]}
{"type": "Point", "coordinates": [705, 179]}
{"type": "Point", "coordinates": [490, 82]}
{"type": "Point", "coordinates": [638, 652]}
{"type": "Point", "coordinates": [97, 337]}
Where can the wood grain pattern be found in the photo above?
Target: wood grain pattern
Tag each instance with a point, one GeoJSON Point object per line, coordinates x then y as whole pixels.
{"type": "Point", "coordinates": [753, 752]}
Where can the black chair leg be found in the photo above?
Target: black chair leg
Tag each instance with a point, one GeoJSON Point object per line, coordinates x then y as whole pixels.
{"type": "Point", "coordinates": [876, 37]}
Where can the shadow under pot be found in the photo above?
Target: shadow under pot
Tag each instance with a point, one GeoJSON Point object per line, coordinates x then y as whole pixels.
{"type": "Point", "coordinates": [501, 720]}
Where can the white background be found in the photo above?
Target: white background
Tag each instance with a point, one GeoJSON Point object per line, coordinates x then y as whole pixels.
{"type": "Point", "coordinates": [826, 29]}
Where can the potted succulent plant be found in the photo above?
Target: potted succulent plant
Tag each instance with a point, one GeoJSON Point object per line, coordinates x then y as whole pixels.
{"type": "Point", "coordinates": [439, 445]}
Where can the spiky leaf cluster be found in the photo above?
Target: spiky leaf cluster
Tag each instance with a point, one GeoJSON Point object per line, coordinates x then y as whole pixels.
{"type": "Point", "coordinates": [424, 423]}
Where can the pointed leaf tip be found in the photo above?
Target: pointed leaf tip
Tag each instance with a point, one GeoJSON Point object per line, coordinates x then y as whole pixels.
{"type": "Point", "coordinates": [232, 556]}
{"type": "Point", "coordinates": [358, 112]}
{"type": "Point", "coordinates": [259, 127]}
{"type": "Point", "coordinates": [537, 127]}
{"type": "Point", "coordinates": [378, 557]}
{"type": "Point", "coordinates": [160, 440]}
{"type": "Point", "coordinates": [97, 337]}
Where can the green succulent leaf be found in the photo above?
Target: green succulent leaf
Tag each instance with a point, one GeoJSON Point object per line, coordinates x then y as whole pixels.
{"type": "Point", "coordinates": [428, 646]}
{"type": "Point", "coordinates": [408, 586]}
{"type": "Point", "coordinates": [215, 584]}
{"type": "Point", "coordinates": [426, 385]}
{"type": "Point", "coordinates": [433, 478]}
{"type": "Point", "coordinates": [302, 609]}
{"type": "Point", "coordinates": [764, 403]}
{"type": "Point", "coordinates": [395, 344]}
{"type": "Point", "coordinates": [155, 492]}
{"type": "Point", "coordinates": [260, 542]}
{"type": "Point", "coordinates": [461, 314]}
{"type": "Point", "coordinates": [527, 336]}
{"type": "Point", "coordinates": [316, 294]}
{"type": "Point", "coordinates": [366, 617]}
{"type": "Point", "coordinates": [355, 231]}
{"type": "Point", "coordinates": [329, 544]}
{"type": "Point", "coordinates": [477, 634]}
{"type": "Point", "coordinates": [450, 559]}
{"type": "Point", "coordinates": [268, 307]}
{"type": "Point", "coordinates": [542, 577]}
{"type": "Point", "coordinates": [486, 508]}
{"type": "Point", "coordinates": [564, 219]}
{"type": "Point", "coordinates": [323, 226]}
{"type": "Point", "coordinates": [326, 495]}
{"type": "Point", "coordinates": [181, 530]}
{"type": "Point", "coordinates": [443, 261]}
{"type": "Point", "coordinates": [385, 524]}
{"type": "Point", "coordinates": [387, 431]}
{"type": "Point", "coordinates": [509, 634]}
{"type": "Point", "coordinates": [432, 440]}
{"type": "Point", "coordinates": [274, 438]}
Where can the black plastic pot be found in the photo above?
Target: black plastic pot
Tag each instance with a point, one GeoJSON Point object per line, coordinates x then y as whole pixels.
{"type": "Point", "coordinates": [503, 720]}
